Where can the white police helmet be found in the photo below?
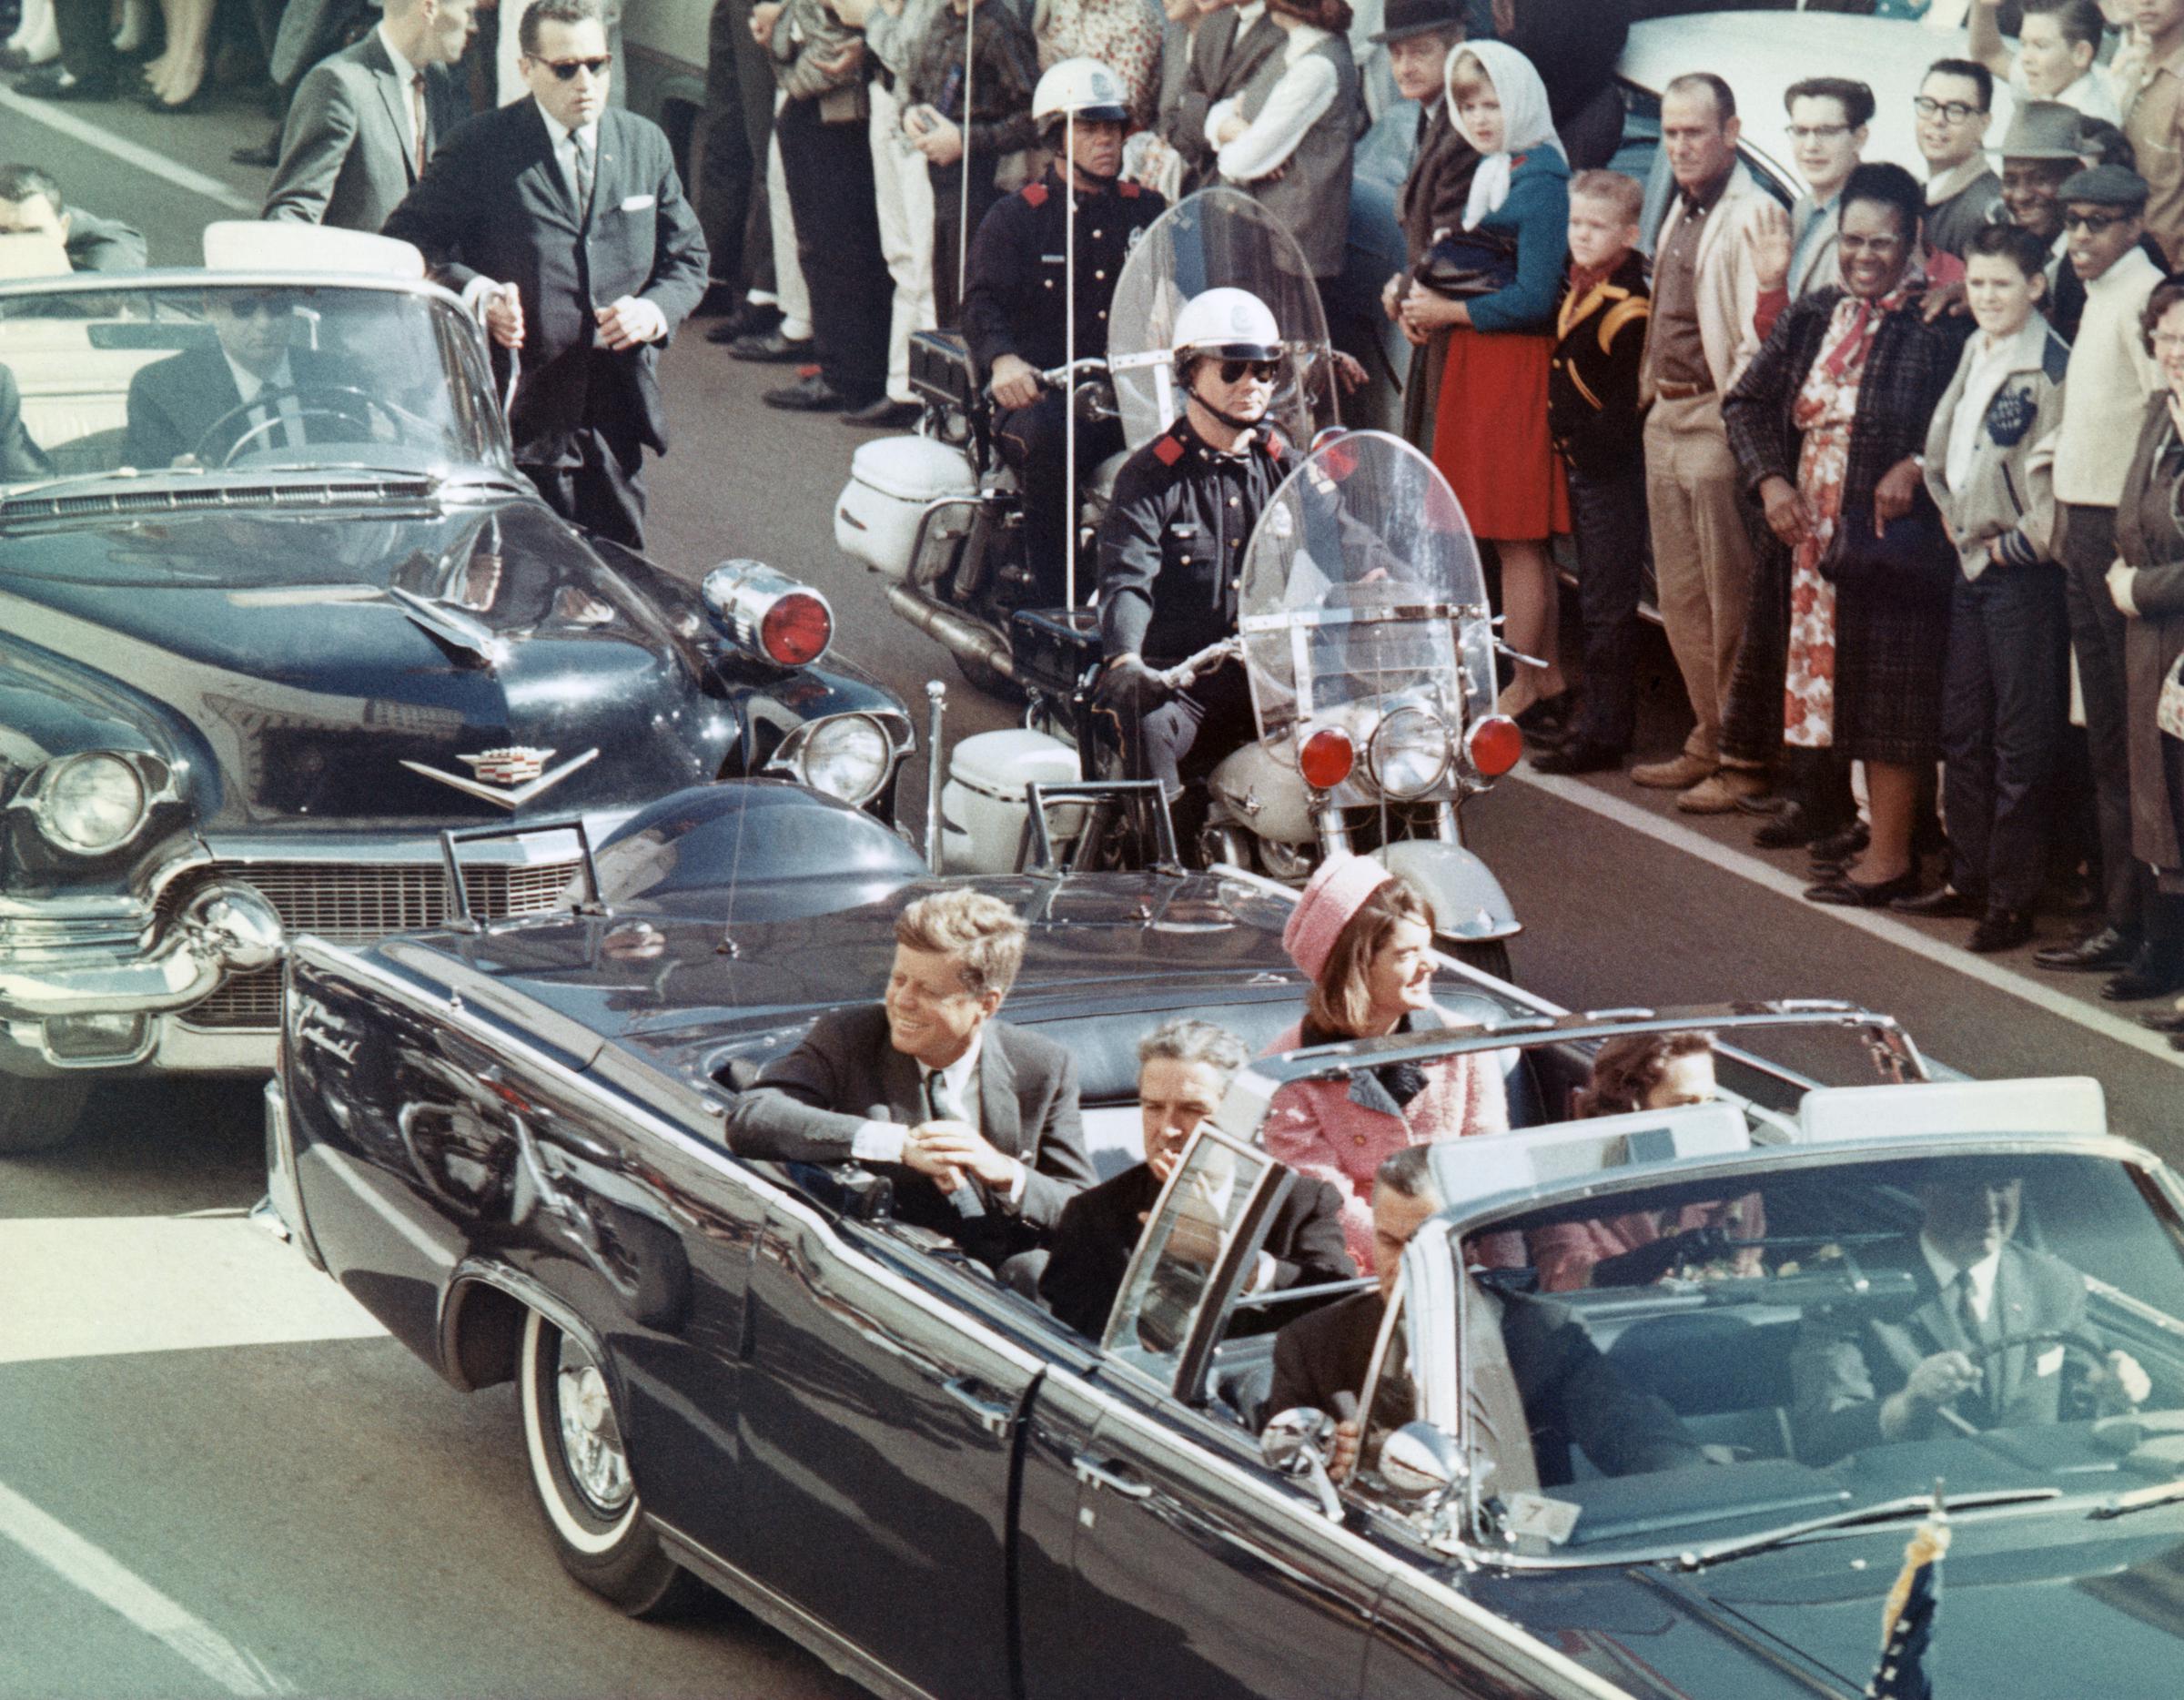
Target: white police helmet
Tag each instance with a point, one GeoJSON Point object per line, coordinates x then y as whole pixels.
{"type": "Point", "coordinates": [1229, 325]}
{"type": "Point", "coordinates": [1082, 87]}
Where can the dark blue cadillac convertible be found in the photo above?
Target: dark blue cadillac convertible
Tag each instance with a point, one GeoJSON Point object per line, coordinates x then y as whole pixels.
{"type": "Point", "coordinates": [256, 656]}
{"type": "Point", "coordinates": [506, 1139]}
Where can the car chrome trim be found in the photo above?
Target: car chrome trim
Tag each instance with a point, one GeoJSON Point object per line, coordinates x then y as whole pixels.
{"type": "Point", "coordinates": [784, 1616]}
{"type": "Point", "coordinates": [501, 795]}
{"type": "Point", "coordinates": [483, 1272]}
{"type": "Point", "coordinates": [159, 780]}
{"type": "Point", "coordinates": [283, 1191]}
{"type": "Point", "coordinates": [1518, 1643]}
{"type": "Point", "coordinates": [224, 923]}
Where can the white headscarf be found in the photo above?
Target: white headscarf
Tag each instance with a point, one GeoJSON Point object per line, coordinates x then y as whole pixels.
{"type": "Point", "coordinates": [1526, 124]}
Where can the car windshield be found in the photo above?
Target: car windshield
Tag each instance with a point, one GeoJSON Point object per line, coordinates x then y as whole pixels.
{"type": "Point", "coordinates": [225, 381]}
{"type": "Point", "coordinates": [1702, 1367]}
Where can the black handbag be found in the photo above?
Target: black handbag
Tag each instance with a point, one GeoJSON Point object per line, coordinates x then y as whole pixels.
{"type": "Point", "coordinates": [1468, 263]}
{"type": "Point", "coordinates": [1913, 553]}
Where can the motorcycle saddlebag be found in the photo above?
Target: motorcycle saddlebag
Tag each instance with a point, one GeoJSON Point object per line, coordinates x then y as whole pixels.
{"type": "Point", "coordinates": [1053, 648]}
{"type": "Point", "coordinates": [941, 369]}
{"type": "Point", "coordinates": [891, 482]}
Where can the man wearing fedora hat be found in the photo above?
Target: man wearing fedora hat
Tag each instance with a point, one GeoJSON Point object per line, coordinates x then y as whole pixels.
{"type": "Point", "coordinates": [2040, 153]}
{"type": "Point", "coordinates": [1419, 36]}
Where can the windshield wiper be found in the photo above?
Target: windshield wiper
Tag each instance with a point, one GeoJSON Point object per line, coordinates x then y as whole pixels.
{"type": "Point", "coordinates": [1888, 1511]}
{"type": "Point", "coordinates": [2139, 1499]}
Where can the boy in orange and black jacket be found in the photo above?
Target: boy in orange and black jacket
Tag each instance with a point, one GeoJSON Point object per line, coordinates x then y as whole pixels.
{"type": "Point", "coordinates": [1597, 419]}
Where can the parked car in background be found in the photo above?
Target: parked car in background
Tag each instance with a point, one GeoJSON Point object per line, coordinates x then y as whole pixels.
{"type": "Point", "coordinates": [255, 660]}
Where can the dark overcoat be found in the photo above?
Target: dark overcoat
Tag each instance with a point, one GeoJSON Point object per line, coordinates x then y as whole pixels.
{"type": "Point", "coordinates": [2150, 537]}
{"type": "Point", "coordinates": [1891, 640]}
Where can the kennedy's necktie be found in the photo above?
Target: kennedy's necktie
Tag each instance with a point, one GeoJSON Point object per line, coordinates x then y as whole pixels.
{"type": "Point", "coordinates": [417, 119]}
{"type": "Point", "coordinates": [944, 1105]}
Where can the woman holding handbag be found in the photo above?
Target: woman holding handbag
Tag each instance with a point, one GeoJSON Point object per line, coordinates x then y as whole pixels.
{"type": "Point", "coordinates": [1828, 424]}
{"type": "Point", "coordinates": [1492, 284]}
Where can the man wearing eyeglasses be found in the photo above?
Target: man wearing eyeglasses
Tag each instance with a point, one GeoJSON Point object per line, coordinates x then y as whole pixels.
{"type": "Point", "coordinates": [562, 223]}
{"type": "Point", "coordinates": [1953, 107]}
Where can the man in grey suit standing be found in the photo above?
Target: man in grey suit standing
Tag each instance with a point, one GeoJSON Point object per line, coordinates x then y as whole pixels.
{"type": "Point", "coordinates": [1228, 43]}
{"type": "Point", "coordinates": [366, 120]}
{"type": "Point", "coordinates": [976, 1120]}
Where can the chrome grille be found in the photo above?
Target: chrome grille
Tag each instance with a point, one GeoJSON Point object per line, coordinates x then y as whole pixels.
{"type": "Point", "coordinates": [351, 904]}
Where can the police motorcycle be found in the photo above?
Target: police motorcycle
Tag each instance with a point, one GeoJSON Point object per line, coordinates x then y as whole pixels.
{"type": "Point", "coordinates": [937, 514]}
{"type": "Point", "coordinates": [1364, 627]}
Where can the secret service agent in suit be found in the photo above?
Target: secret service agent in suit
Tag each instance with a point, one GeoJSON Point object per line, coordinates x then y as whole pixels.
{"type": "Point", "coordinates": [174, 402]}
{"type": "Point", "coordinates": [1183, 1071]}
{"type": "Point", "coordinates": [562, 221]}
{"type": "Point", "coordinates": [976, 1120]}
{"type": "Point", "coordinates": [1537, 1374]}
{"type": "Point", "coordinates": [365, 121]}
{"type": "Point", "coordinates": [1171, 551]}
{"type": "Point", "coordinates": [20, 458]}
{"type": "Point", "coordinates": [1015, 300]}
{"type": "Point", "coordinates": [1226, 48]}
{"type": "Point", "coordinates": [1862, 1380]}
{"type": "Point", "coordinates": [31, 205]}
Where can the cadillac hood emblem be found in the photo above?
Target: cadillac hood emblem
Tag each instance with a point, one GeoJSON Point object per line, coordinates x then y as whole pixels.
{"type": "Point", "coordinates": [511, 777]}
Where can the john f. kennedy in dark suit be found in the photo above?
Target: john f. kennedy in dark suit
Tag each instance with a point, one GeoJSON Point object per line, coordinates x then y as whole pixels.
{"type": "Point", "coordinates": [1183, 1071]}
{"type": "Point", "coordinates": [1863, 1379]}
{"type": "Point", "coordinates": [366, 119]}
{"type": "Point", "coordinates": [976, 1120]}
{"type": "Point", "coordinates": [562, 221]}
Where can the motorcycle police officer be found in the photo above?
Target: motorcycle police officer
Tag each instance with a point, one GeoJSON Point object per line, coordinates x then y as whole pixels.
{"type": "Point", "coordinates": [1171, 551]}
{"type": "Point", "coordinates": [1016, 297]}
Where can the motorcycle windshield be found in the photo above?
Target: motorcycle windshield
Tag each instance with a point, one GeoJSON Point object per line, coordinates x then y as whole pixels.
{"type": "Point", "coordinates": [1216, 238]}
{"type": "Point", "coordinates": [1364, 610]}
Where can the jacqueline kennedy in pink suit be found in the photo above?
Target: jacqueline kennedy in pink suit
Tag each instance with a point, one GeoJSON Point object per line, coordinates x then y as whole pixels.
{"type": "Point", "coordinates": [1365, 936]}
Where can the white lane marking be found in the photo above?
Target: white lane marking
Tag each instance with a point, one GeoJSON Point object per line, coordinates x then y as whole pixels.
{"type": "Point", "coordinates": [130, 153]}
{"type": "Point", "coordinates": [2118, 1028]}
{"type": "Point", "coordinates": [119, 1589]}
{"type": "Point", "coordinates": [92, 1287]}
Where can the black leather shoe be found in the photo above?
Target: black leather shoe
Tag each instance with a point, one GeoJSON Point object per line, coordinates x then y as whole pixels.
{"type": "Point", "coordinates": [883, 415]}
{"type": "Point", "coordinates": [1770, 804]}
{"type": "Point", "coordinates": [807, 395]}
{"type": "Point", "coordinates": [1845, 893]}
{"type": "Point", "coordinates": [2164, 1021]}
{"type": "Point", "coordinates": [2108, 949]}
{"type": "Point", "coordinates": [773, 348]}
{"type": "Point", "coordinates": [720, 299]}
{"type": "Point", "coordinates": [57, 81]}
{"type": "Point", "coordinates": [1579, 756]}
{"type": "Point", "coordinates": [1945, 903]}
{"type": "Point", "coordinates": [2000, 929]}
{"type": "Point", "coordinates": [1792, 827]}
{"type": "Point", "coordinates": [753, 319]}
{"type": "Point", "coordinates": [2152, 974]}
{"type": "Point", "coordinates": [1841, 847]}
{"type": "Point", "coordinates": [1549, 717]}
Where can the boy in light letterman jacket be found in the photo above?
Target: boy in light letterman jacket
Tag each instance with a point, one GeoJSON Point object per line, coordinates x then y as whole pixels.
{"type": "Point", "coordinates": [2004, 704]}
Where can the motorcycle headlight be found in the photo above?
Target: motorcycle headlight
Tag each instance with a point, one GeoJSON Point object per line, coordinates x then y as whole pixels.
{"type": "Point", "coordinates": [1410, 750]}
{"type": "Point", "coordinates": [847, 757]}
{"type": "Point", "coordinates": [89, 805]}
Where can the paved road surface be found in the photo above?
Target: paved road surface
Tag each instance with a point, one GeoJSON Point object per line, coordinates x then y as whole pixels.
{"type": "Point", "coordinates": [199, 1495]}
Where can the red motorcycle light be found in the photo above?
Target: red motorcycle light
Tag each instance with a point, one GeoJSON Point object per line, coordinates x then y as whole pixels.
{"type": "Point", "coordinates": [1326, 758]}
{"type": "Point", "coordinates": [1494, 745]}
{"type": "Point", "coordinates": [796, 630]}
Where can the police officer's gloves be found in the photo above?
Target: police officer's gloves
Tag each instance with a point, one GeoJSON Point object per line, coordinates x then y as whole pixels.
{"type": "Point", "coordinates": [1129, 690]}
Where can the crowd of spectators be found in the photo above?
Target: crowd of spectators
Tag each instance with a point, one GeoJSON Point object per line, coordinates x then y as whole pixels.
{"type": "Point", "coordinates": [1905, 457]}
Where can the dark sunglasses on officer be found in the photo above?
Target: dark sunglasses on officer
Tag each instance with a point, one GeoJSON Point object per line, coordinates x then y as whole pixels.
{"type": "Point", "coordinates": [1266, 372]}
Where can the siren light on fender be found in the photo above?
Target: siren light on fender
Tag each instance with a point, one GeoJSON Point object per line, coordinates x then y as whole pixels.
{"type": "Point", "coordinates": [767, 614]}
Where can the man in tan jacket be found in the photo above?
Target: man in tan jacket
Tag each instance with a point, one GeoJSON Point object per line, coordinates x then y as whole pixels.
{"type": "Point", "coordinates": [1705, 287]}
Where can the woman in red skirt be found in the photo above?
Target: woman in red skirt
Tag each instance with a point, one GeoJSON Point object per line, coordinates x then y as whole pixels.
{"type": "Point", "coordinates": [1490, 434]}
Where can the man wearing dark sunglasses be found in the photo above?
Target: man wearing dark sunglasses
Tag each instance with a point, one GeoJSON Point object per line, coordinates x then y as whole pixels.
{"type": "Point", "coordinates": [561, 222]}
{"type": "Point", "coordinates": [1171, 552]}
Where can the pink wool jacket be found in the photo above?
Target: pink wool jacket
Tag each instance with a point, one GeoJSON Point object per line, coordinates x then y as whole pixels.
{"type": "Point", "coordinates": [1339, 1132]}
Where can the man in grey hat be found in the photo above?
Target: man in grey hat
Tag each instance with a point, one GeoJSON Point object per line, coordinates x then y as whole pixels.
{"type": "Point", "coordinates": [2040, 155]}
{"type": "Point", "coordinates": [2104, 395]}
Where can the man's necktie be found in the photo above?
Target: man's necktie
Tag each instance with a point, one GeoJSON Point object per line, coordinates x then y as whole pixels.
{"type": "Point", "coordinates": [583, 174]}
{"type": "Point", "coordinates": [417, 119]}
{"type": "Point", "coordinates": [1980, 1332]}
{"type": "Point", "coordinates": [942, 1104]}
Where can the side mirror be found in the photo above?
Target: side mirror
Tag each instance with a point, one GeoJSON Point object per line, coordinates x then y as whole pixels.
{"type": "Point", "coordinates": [1419, 1462]}
{"type": "Point", "coordinates": [1296, 1442]}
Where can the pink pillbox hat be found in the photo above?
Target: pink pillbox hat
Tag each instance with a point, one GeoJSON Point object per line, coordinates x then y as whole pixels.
{"type": "Point", "coordinates": [1333, 896]}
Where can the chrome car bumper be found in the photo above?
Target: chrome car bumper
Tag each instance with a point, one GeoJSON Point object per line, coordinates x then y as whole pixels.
{"type": "Point", "coordinates": [284, 1199]}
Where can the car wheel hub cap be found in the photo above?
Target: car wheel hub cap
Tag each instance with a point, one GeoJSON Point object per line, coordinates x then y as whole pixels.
{"type": "Point", "coordinates": [591, 1439]}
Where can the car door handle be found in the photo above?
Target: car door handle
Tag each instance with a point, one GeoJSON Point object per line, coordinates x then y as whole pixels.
{"type": "Point", "coordinates": [990, 1414]}
{"type": "Point", "coordinates": [1101, 1472]}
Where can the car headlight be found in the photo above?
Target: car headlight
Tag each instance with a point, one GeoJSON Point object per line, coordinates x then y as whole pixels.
{"type": "Point", "coordinates": [89, 805]}
{"type": "Point", "coordinates": [846, 756]}
{"type": "Point", "coordinates": [1410, 750]}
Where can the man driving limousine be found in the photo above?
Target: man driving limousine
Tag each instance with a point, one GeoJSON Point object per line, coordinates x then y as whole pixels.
{"type": "Point", "coordinates": [976, 1120]}
{"type": "Point", "coordinates": [1535, 1383]}
{"type": "Point", "coordinates": [1960, 1360]}
{"type": "Point", "coordinates": [255, 383]}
